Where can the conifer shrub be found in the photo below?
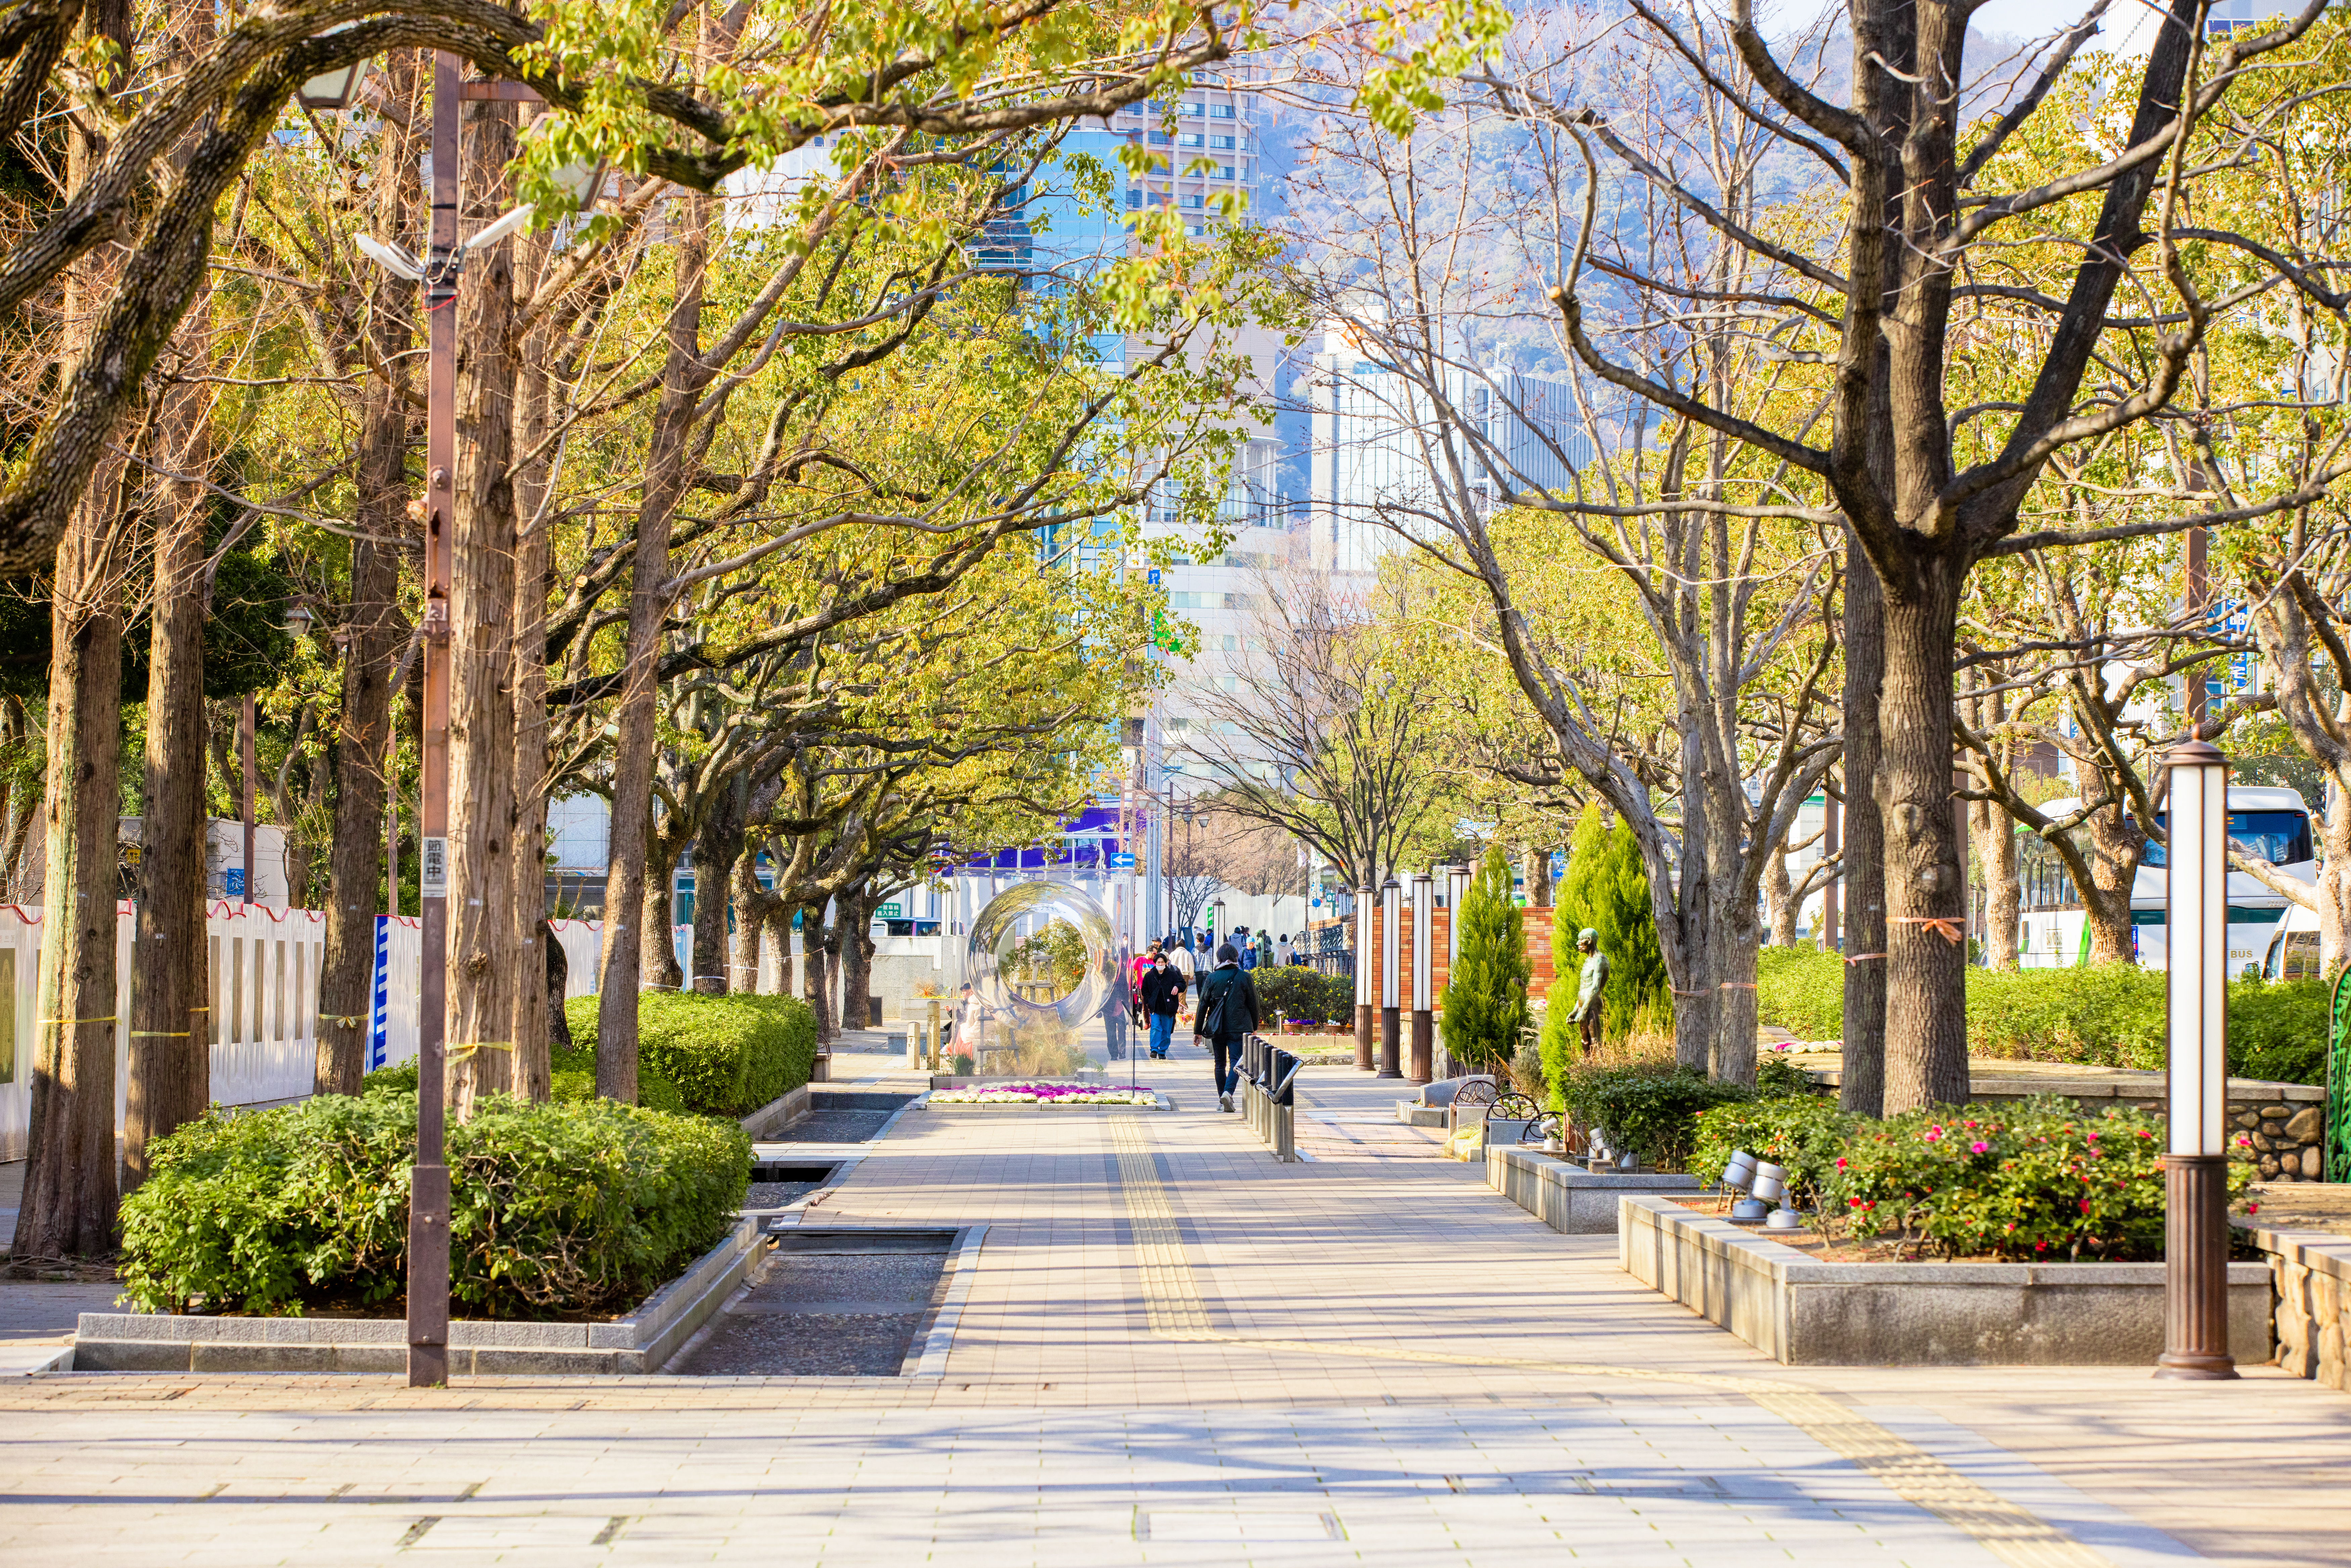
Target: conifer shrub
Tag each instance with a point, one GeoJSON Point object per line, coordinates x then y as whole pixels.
{"type": "Point", "coordinates": [1485, 998]}
{"type": "Point", "coordinates": [1607, 890]}
{"type": "Point", "coordinates": [557, 1211]}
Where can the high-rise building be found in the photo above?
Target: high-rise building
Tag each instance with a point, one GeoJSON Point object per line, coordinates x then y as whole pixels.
{"type": "Point", "coordinates": [1376, 435]}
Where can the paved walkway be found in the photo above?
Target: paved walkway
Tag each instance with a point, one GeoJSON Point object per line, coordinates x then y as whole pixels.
{"type": "Point", "coordinates": [1175, 1350]}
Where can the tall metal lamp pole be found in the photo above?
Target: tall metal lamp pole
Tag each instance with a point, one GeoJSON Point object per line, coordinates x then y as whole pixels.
{"type": "Point", "coordinates": [1366, 903]}
{"type": "Point", "coordinates": [1424, 1030]}
{"type": "Point", "coordinates": [2196, 1167]}
{"type": "Point", "coordinates": [1390, 913]}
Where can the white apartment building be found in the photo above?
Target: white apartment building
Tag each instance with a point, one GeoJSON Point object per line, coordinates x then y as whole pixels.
{"type": "Point", "coordinates": [1375, 431]}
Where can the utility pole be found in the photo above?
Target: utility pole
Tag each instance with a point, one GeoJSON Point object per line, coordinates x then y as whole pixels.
{"type": "Point", "coordinates": [428, 1200]}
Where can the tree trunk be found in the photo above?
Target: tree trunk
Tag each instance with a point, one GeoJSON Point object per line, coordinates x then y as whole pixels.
{"type": "Point", "coordinates": [815, 987]}
{"type": "Point", "coordinates": [537, 1010]}
{"type": "Point", "coordinates": [2333, 889]}
{"type": "Point", "coordinates": [627, 893]}
{"type": "Point", "coordinates": [71, 1177]}
{"type": "Point", "coordinates": [1535, 865]}
{"type": "Point", "coordinates": [660, 957]}
{"type": "Point", "coordinates": [1734, 1024]}
{"type": "Point", "coordinates": [356, 861]}
{"type": "Point", "coordinates": [1926, 886]}
{"type": "Point", "coordinates": [854, 932]}
{"type": "Point", "coordinates": [486, 963]}
{"type": "Point", "coordinates": [557, 976]}
{"type": "Point", "coordinates": [752, 905]}
{"type": "Point", "coordinates": [72, 1173]}
{"type": "Point", "coordinates": [2003, 886]}
{"type": "Point", "coordinates": [717, 849]}
{"type": "Point", "coordinates": [1780, 898]}
{"type": "Point", "coordinates": [1864, 1088]}
{"type": "Point", "coordinates": [171, 1027]}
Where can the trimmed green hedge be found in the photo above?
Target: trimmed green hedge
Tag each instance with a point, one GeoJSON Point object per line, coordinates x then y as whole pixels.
{"type": "Point", "coordinates": [1652, 1107]}
{"type": "Point", "coordinates": [1297, 992]}
{"type": "Point", "coordinates": [728, 1055]}
{"type": "Point", "coordinates": [572, 1077]}
{"type": "Point", "coordinates": [2106, 1015]}
{"type": "Point", "coordinates": [558, 1211]}
{"type": "Point", "coordinates": [1802, 1134]}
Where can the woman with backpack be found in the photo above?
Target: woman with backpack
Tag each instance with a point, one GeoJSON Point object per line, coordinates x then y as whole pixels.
{"type": "Point", "coordinates": [1228, 1009]}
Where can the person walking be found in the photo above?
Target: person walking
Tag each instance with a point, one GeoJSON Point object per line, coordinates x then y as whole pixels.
{"type": "Point", "coordinates": [1163, 994]}
{"type": "Point", "coordinates": [1282, 951]}
{"type": "Point", "coordinates": [1227, 1010]}
{"type": "Point", "coordinates": [1247, 945]}
{"type": "Point", "coordinates": [1134, 973]}
{"type": "Point", "coordinates": [1589, 987]}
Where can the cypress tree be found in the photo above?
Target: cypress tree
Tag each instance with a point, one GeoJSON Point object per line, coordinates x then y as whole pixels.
{"type": "Point", "coordinates": [1484, 997]}
{"type": "Point", "coordinates": [1606, 890]}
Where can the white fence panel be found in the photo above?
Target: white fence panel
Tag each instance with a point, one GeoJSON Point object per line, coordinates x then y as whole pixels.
{"type": "Point", "coordinates": [264, 983]}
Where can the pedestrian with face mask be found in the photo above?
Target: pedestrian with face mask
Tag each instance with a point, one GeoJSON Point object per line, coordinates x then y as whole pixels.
{"type": "Point", "coordinates": [1162, 990]}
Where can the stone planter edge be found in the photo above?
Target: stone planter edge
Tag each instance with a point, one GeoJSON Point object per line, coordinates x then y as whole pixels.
{"type": "Point", "coordinates": [1567, 1198]}
{"type": "Point", "coordinates": [1802, 1313]}
{"type": "Point", "coordinates": [640, 1343]}
{"type": "Point", "coordinates": [777, 1113]}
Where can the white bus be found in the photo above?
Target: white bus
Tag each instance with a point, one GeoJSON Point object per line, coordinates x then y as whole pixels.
{"type": "Point", "coordinates": [2267, 933]}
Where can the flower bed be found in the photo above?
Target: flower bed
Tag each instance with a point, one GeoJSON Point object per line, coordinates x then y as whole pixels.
{"type": "Point", "coordinates": [1052, 1094]}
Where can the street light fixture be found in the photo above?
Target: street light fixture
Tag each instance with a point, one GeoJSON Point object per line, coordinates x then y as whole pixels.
{"type": "Point", "coordinates": [2196, 989]}
{"type": "Point", "coordinates": [1391, 913]}
{"type": "Point", "coordinates": [334, 88]}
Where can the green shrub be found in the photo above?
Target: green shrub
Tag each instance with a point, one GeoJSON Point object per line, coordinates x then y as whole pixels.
{"type": "Point", "coordinates": [2035, 1179]}
{"type": "Point", "coordinates": [1651, 1107]}
{"type": "Point", "coordinates": [1300, 993]}
{"type": "Point", "coordinates": [2278, 1031]}
{"type": "Point", "coordinates": [1802, 1134]}
{"type": "Point", "coordinates": [728, 1055]}
{"type": "Point", "coordinates": [1777, 1078]}
{"type": "Point", "coordinates": [2104, 1015]}
{"type": "Point", "coordinates": [1801, 990]}
{"type": "Point", "coordinates": [556, 1210]}
{"type": "Point", "coordinates": [572, 1079]}
{"type": "Point", "coordinates": [1485, 998]}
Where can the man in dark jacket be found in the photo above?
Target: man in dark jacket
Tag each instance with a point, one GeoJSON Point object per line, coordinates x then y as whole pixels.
{"type": "Point", "coordinates": [1163, 990]}
{"type": "Point", "coordinates": [1228, 1011]}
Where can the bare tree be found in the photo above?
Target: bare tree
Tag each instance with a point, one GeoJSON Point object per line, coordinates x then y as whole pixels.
{"type": "Point", "coordinates": [1324, 739]}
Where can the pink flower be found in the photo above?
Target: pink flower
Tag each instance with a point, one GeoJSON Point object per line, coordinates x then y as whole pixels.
{"type": "Point", "coordinates": [1933, 1133]}
{"type": "Point", "coordinates": [1977, 1148]}
{"type": "Point", "coordinates": [1840, 1162]}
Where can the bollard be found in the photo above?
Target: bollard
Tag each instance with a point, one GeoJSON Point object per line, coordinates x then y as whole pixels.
{"type": "Point", "coordinates": [1281, 1091]}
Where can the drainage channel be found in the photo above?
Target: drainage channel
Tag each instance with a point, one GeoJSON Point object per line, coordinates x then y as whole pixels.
{"type": "Point", "coordinates": [838, 1301]}
{"type": "Point", "coordinates": [842, 1117]}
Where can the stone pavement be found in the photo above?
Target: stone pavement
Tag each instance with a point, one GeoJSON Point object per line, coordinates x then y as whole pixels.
{"type": "Point", "coordinates": [1175, 1350]}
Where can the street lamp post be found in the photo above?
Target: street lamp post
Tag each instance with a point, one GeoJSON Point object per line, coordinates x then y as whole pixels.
{"type": "Point", "coordinates": [1456, 888]}
{"type": "Point", "coordinates": [2196, 1165]}
{"type": "Point", "coordinates": [1365, 904]}
{"type": "Point", "coordinates": [1391, 911]}
{"type": "Point", "coordinates": [1423, 1030]}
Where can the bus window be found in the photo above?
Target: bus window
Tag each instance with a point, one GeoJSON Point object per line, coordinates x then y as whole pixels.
{"type": "Point", "coordinates": [2281, 838]}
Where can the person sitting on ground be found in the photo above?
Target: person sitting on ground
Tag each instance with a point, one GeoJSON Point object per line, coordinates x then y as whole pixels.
{"type": "Point", "coordinates": [1228, 1009]}
{"type": "Point", "coordinates": [1163, 994]}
